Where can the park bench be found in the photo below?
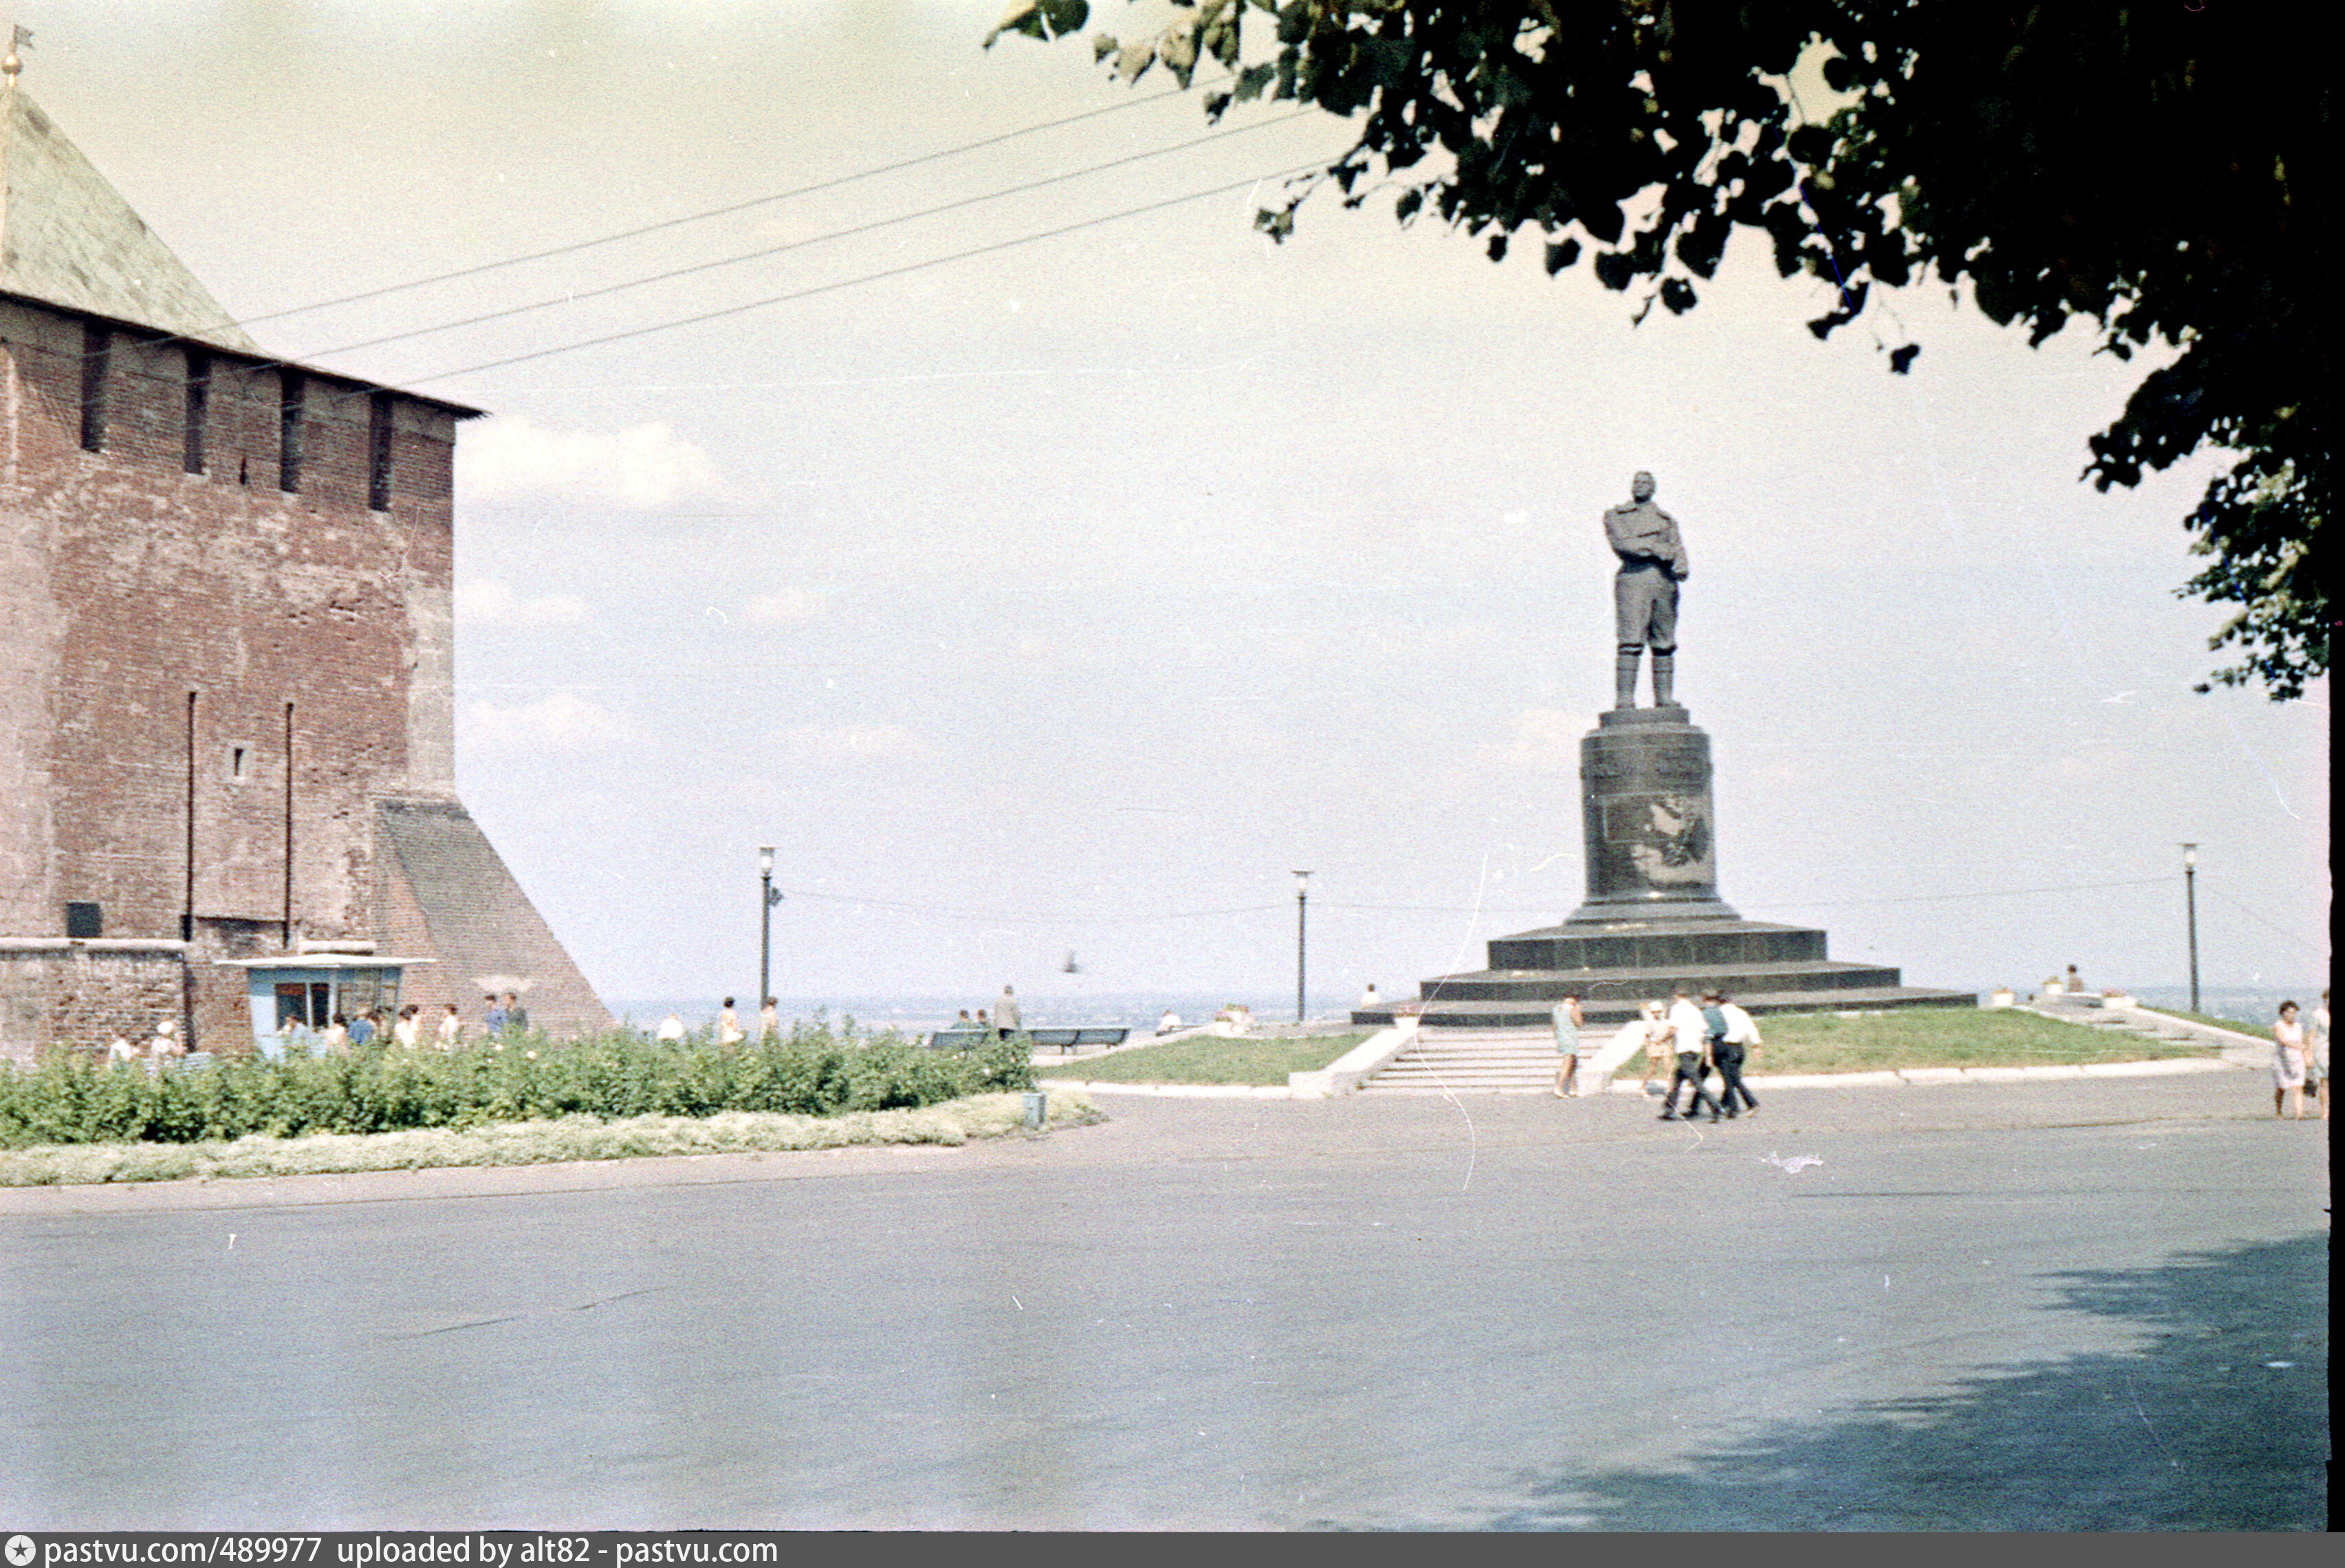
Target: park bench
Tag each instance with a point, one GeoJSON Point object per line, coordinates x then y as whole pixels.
{"type": "Point", "coordinates": [1066, 1042]}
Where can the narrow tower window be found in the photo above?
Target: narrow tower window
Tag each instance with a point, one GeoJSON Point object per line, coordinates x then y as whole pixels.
{"type": "Point", "coordinates": [200, 406]}
{"type": "Point", "coordinates": [379, 454]}
{"type": "Point", "coordinates": [289, 425]}
{"type": "Point", "coordinates": [96, 349]}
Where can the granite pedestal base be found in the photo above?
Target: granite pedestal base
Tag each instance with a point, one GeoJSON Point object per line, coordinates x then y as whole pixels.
{"type": "Point", "coordinates": [1653, 922]}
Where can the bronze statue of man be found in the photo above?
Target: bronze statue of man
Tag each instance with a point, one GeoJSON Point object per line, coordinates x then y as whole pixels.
{"type": "Point", "coordinates": [1645, 592]}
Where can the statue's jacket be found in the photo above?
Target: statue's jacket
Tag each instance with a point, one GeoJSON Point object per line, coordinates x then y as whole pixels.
{"type": "Point", "coordinates": [1642, 535]}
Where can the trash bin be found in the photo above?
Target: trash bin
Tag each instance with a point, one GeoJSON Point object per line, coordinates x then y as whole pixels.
{"type": "Point", "coordinates": [1037, 1108]}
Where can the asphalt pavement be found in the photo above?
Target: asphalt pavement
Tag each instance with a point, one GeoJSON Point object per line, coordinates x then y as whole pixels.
{"type": "Point", "coordinates": [2067, 1306]}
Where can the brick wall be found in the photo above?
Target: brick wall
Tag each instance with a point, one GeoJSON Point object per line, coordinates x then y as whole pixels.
{"type": "Point", "coordinates": [127, 583]}
{"type": "Point", "coordinates": [159, 582]}
{"type": "Point", "coordinates": [58, 993]}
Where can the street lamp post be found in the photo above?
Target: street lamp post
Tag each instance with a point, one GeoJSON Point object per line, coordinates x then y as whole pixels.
{"type": "Point", "coordinates": [1302, 907]}
{"type": "Point", "coordinates": [767, 899]}
{"type": "Point", "coordinates": [2190, 905]}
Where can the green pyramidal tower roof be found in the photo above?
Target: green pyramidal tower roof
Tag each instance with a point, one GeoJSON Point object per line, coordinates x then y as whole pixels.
{"type": "Point", "coordinates": [67, 237]}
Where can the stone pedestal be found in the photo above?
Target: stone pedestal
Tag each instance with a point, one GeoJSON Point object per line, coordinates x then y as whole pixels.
{"type": "Point", "coordinates": [1647, 821]}
{"type": "Point", "coordinates": [1653, 922]}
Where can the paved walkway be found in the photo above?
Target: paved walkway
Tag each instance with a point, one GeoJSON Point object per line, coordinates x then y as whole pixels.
{"type": "Point", "coordinates": [2029, 1306]}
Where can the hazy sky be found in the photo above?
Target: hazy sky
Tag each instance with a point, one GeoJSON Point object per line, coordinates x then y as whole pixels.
{"type": "Point", "coordinates": [1066, 596]}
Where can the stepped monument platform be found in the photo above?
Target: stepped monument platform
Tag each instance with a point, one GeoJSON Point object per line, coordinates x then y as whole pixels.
{"type": "Point", "coordinates": [1653, 922]}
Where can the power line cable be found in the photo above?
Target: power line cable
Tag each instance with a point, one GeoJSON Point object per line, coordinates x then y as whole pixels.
{"type": "Point", "coordinates": [1023, 919]}
{"type": "Point", "coordinates": [833, 287]}
{"type": "Point", "coordinates": [573, 296]}
{"type": "Point", "coordinates": [267, 361]}
{"type": "Point", "coordinates": [725, 211]}
{"type": "Point", "coordinates": [1418, 908]}
{"type": "Point", "coordinates": [2251, 914]}
{"type": "Point", "coordinates": [1794, 904]}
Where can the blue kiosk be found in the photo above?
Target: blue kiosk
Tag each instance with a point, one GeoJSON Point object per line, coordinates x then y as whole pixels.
{"type": "Point", "coordinates": [294, 994]}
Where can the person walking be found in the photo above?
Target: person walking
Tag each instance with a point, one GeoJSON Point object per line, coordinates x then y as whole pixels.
{"type": "Point", "coordinates": [1646, 1032]}
{"type": "Point", "coordinates": [451, 1028]}
{"type": "Point", "coordinates": [1567, 1021]}
{"type": "Point", "coordinates": [728, 1025]}
{"type": "Point", "coordinates": [769, 1022]}
{"type": "Point", "coordinates": [516, 1015]}
{"type": "Point", "coordinates": [2288, 1062]}
{"type": "Point", "coordinates": [1690, 1034]}
{"type": "Point", "coordinates": [408, 1033]}
{"type": "Point", "coordinates": [1005, 1014]}
{"type": "Point", "coordinates": [166, 1049]}
{"type": "Point", "coordinates": [2316, 1054]}
{"type": "Point", "coordinates": [493, 1019]}
{"type": "Point", "coordinates": [1729, 1051]}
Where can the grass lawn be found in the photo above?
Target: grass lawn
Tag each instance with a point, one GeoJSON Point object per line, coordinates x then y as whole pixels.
{"type": "Point", "coordinates": [1210, 1059]}
{"type": "Point", "coordinates": [1940, 1037]}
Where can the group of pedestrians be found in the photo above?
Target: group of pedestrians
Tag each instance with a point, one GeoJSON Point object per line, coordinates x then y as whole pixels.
{"type": "Point", "coordinates": [2301, 1059]}
{"type": "Point", "coordinates": [165, 1050]}
{"type": "Point", "coordinates": [1683, 1042]}
{"type": "Point", "coordinates": [1001, 1023]}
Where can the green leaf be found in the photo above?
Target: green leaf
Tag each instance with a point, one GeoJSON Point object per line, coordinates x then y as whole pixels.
{"type": "Point", "coordinates": [1561, 254]}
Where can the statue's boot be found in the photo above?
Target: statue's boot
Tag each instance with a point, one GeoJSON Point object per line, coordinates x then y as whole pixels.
{"type": "Point", "coordinates": [1665, 679]}
{"type": "Point", "coordinates": [1624, 678]}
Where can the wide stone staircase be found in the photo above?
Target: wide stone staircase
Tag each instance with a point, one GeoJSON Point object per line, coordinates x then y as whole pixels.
{"type": "Point", "coordinates": [1472, 1062]}
{"type": "Point", "coordinates": [2099, 1012]}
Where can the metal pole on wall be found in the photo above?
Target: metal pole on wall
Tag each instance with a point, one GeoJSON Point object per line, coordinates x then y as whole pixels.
{"type": "Point", "coordinates": [767, 899]}
{"type": "Point", "coordinates": [2190, 905]}
{"type": "Point", "coordinates": [1302, 908]}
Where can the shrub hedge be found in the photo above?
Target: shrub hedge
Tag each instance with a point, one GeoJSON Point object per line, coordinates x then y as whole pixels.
{"type": "Point", "coordinates": [816, 1071]}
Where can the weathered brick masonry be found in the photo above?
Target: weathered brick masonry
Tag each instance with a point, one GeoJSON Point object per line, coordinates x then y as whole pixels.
{"type": "Point", "coordinates": [225, 600]}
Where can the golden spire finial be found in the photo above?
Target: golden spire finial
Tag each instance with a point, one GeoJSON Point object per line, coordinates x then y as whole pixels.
{"type": "Point", "coordinates": [21, 39]}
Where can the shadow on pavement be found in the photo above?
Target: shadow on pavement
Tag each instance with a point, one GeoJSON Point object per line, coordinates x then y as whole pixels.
{"type": "Point", "coordinates": [2194, 1431]}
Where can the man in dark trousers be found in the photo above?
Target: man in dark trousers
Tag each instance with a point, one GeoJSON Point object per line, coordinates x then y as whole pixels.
{"type": "Point", "coordinates": [1005, 1014]}
{"type": "Point", "coordinates": [1693, 1061]}
{"type": "Point", "coordinates": [1733, 1033]}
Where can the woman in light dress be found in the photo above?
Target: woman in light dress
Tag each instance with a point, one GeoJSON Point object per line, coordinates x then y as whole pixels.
{"type": "Point", "coordinates": [2288, 1062]}
{"type": "Point", "coordinates": [1568, 1021]}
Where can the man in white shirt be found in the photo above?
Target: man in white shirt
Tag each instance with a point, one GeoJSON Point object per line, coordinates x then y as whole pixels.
{"type": "Point", "coordinates": [1741, 1033]}
{"type": "Point", "coordinates": [1693, 1060]}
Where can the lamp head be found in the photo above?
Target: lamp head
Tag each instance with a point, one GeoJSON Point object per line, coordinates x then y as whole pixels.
{"type": "Point", "coordinates": [766, 859]}
{"type": "Point", "coordinates": [1302, 882]}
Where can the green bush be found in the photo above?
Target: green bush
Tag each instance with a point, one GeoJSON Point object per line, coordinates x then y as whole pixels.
{"type": "Point", "coordinates": [819, 1070]}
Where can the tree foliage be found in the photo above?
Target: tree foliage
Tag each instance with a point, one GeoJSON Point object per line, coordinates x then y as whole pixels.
{"type": "Point", "coordinates": [2151, 169]}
